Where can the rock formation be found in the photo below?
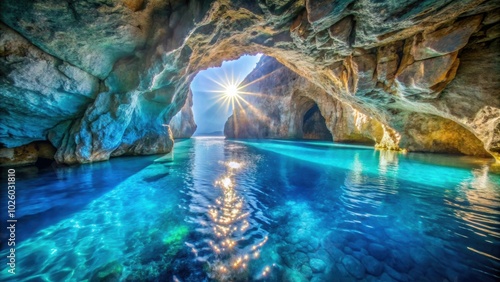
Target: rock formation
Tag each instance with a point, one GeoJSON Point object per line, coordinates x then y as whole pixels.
{"type": "Point", "coordinates": [283, 100]}
{"type": "Point", "coordinates": [182, 124]}
{"type": "Point", "coordinates": [284, 104]}
{"type": "Point", "coordinates": [103, 78]}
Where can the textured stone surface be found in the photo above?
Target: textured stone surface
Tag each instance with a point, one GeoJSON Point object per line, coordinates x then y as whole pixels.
{"type": "Point", "coordinates": [38, 91]}
{"type": "Point", "coordinates": [125, 66]}
{"type": "Point", "coordinates": [353, 266]}
{"type": "Point", "coordinates": [288, 109]}
{"type": "Point", "coordinates": [317, 265]}
{"type": "Point", "coordinates": [182, 124]}
{"type": "Point", "coordinates": [27, 154]}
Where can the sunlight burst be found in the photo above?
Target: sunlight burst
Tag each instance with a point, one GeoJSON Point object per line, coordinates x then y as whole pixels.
{"type": "Point", "coordinates": [231, 90]}
{"type": "Point", "coordinates": [233, 93]}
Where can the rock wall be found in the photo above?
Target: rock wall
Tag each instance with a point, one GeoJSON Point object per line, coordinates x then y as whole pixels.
{"type": "Point", "coordinates": [35, 153]}
{"type": "Point", "coordinates": [284, 98]}
{"type": "Point", "coordinates": [279, 105]}
{"type": "Point", "coordinates": [182, 124]}
{"type": "Point", "coordinates": [101, 78]}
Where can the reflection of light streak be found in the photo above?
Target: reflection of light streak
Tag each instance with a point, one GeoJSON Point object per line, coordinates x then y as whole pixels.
{"type": "Point", "coordinates": [229, 221]}
{"type": "Point", "coordinates": [234, 165]}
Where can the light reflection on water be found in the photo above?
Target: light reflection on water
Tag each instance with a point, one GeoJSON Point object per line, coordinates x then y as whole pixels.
{"type": "Point", "coordinates": [225, 212]}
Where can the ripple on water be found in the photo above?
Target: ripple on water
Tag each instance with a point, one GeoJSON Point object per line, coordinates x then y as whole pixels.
{"type": "Point", "coordinates": [272, 210]}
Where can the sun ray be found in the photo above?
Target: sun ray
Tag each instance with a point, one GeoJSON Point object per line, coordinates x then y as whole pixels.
{"type": "Point", "coordinates": [259, 79]}
{"type": "Point", "coordinates": [230, 93]}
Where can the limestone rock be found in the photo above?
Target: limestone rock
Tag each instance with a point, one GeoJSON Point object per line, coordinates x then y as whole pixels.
{"type": "Point", "coordinates": [38, 91]}
{"type": "Point", "coordinates": [295, 108]}
{"type": "Point", "coordinates": [91, 35]}
{"type": "Point", "coordinates": [424, 79]}
{"type": "Point", "coordinates": [26, 154]}
{"type": "Point", "coordinates": [378, 251]}
{"type": "Point", "coordinates": [436, 134]}
{"type": "Point", "coordinates": [446, 40]}
{"type": "Point", "coordinates": [106, 76]}
{"type": "Point", "coordinates": [182, 124]}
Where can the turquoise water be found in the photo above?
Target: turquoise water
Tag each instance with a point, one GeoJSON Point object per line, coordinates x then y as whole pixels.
{"type": "Point", "coordinates": [219, 210]}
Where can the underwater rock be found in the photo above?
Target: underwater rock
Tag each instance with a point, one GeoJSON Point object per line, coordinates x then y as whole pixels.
{"type": "Point", "coordinates": [306, 271]}
{"type": "Point", "coordinates": [420, 255]}
{"type": "Point", "coordinates": [378, 251]}
{"type": "Point", "coordinates": [400, 261]}
{"type": "Point", "coordinates": [397, 275]}
{"type": "Point", "coordinates": [317, 265]}
{"type": "Point", "coordinates": [335, 253]}
{"type": "Point", "coordinates": [293, 275]}
{"type": "Point", "coordinates": [105, 78]}
{"type": "Point", "coordinates": [353, 266]}
{"type": "Point", "coordinates": [109, 272]}
{"type": "Point", "coordinates": [372, 265]}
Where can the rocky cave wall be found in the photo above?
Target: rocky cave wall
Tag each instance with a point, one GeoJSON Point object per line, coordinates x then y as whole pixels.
{"type": "Point", "coordinates": [182, 124]}
{"type": "Point", "coordinates": [280, 100]}
{"type": "Point", "coordinates": [314, 125]}
{"type": "Point", "coordinates": [101, 78]}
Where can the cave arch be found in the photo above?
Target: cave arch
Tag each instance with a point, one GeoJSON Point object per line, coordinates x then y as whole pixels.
{"type": "Point", "coordinates": [105, 79]}
{"type": "Point", "coordinates": [314, 126]}
{"type": "Point", "coordinates": [309, 122]}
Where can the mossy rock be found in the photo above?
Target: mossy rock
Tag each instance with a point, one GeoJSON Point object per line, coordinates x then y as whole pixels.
{"type": "Point", "coordinates": [176, 235]}
{"type": "Point", "coordinates": [108, 273]}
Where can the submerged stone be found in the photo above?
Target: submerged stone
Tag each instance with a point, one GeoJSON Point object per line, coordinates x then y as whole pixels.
{"type": "Point", "coordinates": [372, 265]}
{"type": "Point", "coordinates": [353, 266]}
{"type": "Point", "coordinates": [378, 251]}
{"type": "Point", "coordinates": [293, 275]}
{"type": "Point", "coordinates": [400, 261]}
{"type": "Point", "coordinates": [109, 272]}
{"type": "Point", "coordinates": [306, 271]}
{"type": "Point", "coordinates": [317, 265]}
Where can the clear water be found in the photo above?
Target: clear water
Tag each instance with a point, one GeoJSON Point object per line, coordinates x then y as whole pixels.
{"type": "Point", "coordinates": [260, 211]}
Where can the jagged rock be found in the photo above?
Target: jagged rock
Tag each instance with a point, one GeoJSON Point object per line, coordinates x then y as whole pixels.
{"type": "Point", "coordinates": [387, 60]}
{"type": "Point", "coordinates": [445, 40]}
{"type": "Point", "coordinates": [424, 79]}
{"type": "Point", "coordinates": [38, 91]}
{"type": "Point", "coordinates": [182, 124]}
{"type": "Point", "coordinates": [26, 154]}
{"type": "Point", "coordinates": [295, 108]}
{"type": "Point", "coordinates": [435, 134]}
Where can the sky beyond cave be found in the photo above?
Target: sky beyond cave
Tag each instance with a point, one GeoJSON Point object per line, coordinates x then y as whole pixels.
{"type": "Point", "coordinates": [210, 114]}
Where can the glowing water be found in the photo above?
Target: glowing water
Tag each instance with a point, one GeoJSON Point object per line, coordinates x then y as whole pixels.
{"type": "Point", "coordinates": [261, 210]}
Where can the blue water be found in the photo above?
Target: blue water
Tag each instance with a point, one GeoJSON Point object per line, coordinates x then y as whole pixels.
{"type": "Point", "coordinates": [219, 210]}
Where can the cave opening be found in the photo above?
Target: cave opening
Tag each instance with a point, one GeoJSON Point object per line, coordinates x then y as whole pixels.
{"type": "Point", "coordinates": [215, 93]}
{"type": "Point", "coordinates": [314, 125]}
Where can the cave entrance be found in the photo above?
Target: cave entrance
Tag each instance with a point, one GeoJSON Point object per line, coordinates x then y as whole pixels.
{"type": "Point", "coordinates": [314, 125]}
{"type": "Point", "coordinates": [212, 89]}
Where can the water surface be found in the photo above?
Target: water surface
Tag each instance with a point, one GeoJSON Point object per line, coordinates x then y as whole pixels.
{"type": "Point", "coordinates": [220, 210]}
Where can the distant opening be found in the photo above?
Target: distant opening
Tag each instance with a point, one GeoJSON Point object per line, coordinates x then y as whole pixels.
{"type": "Point", "coordinates": [314, 125]}
{"type": "Point", "coordinates": [214, 89]}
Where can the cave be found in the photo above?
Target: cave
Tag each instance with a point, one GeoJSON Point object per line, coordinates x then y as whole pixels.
{"type": "Point", "coordinates": [101, 166]}
{"type": "Point", "coordinates": [314, 126]}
